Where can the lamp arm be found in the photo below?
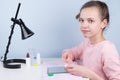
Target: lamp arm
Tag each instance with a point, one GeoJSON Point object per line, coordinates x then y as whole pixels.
{"type": "Point", "coordinates": [11, 33]}
{"type": "Point", "coordinates": [8, 45]}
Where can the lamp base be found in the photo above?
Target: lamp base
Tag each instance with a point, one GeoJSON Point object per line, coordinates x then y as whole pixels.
{"type": "Point", "coordinates": [8, 63]}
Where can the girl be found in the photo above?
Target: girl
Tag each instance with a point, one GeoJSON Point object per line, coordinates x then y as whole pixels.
{"type": "Point", "coordinates": [100, 59]}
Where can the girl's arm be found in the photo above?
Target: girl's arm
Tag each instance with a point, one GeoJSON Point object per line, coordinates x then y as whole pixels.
{"type": "Point", "coordinates": [79, 70]}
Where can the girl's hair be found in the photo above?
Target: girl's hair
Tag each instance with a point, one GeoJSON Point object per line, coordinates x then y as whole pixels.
{"type": "Point", "coordinates": [103, 8]}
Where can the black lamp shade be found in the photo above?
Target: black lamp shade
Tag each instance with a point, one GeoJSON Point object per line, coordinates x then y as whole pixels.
{"type": "Point", "coordinates": [26, 33]}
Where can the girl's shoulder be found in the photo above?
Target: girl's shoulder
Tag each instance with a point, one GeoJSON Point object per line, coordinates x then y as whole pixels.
{"type": "Point", "coordinates": [107, 43]}
{"type": "Point", "coordinates": [109, 49]}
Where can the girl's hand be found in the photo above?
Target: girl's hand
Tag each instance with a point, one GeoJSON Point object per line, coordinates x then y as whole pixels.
{"type": "Point", "coordinates": [67, 57]}
{"type": "Point", "coordinates": [82, 71]}
{"type": "Point", "coordinates": [77, 70]}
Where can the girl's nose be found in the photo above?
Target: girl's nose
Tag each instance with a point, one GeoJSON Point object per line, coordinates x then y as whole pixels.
{"type": "Point", "coordinates": [84, 24]}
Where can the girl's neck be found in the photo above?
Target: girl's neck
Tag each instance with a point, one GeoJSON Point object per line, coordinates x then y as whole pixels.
{"type": "Point", "coordinates": [95, 40]}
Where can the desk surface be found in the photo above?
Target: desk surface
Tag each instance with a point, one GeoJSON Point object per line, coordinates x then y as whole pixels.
{"type": "Point", "coordinates": [36, 72]}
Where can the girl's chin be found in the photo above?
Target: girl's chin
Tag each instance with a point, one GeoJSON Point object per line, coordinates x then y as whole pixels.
{"type": "Point", "coordinates": [86, 36]}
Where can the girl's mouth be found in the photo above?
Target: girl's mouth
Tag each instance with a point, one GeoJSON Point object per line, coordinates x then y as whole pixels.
{"type": "Point", "coordinates": [85, 31]}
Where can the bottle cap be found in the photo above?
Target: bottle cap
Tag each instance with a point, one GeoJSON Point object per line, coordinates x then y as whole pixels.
{"type": "Point", "coordinates": [27, 55]}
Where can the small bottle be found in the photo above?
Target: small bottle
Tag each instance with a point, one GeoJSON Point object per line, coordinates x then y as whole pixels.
{"type": "Point", "coordinates": [34, 61]}
{"type": "Point", "coordinates": [28, 62]}
{"type": "Point", "coordinates": [38, 59]}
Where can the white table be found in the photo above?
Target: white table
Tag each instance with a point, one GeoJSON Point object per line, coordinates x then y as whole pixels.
{"type": "Point", "coordinates": [36, 72]}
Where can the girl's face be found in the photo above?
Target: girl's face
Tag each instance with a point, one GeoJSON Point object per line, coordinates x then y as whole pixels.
{"type": "Point", "coordinates": [91, 24]}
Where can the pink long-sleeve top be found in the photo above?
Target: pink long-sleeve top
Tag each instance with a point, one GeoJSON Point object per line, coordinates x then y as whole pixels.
{"type": "Point", "coordinates": [101, 58]}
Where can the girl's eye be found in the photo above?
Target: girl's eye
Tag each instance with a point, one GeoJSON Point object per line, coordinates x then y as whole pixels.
{"type": "Point", "coordinates": [90, 21]}
{"type": "Point", "coordinates": [81, 20]}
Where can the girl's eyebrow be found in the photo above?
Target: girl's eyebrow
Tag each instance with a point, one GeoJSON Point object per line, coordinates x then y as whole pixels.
{"type": "Point", "coordinates": [80, 18]}
{"type": "Point", "coordinates": [86, 18]}
{"type": "Point", "coordinates": [91, 18]}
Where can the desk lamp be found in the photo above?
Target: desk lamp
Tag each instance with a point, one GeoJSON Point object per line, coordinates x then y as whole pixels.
{"type": "Point", "coordinates": [26, 33]}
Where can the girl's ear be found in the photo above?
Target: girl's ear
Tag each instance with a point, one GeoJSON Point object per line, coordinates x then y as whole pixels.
{"type": "Point", "coordinates": [104, 23]}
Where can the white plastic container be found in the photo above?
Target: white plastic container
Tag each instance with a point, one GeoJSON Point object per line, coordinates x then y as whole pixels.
{"type": "Point", "coordinates": [28, 62]}
{"type": "Point", "coordinates": [38, 59]}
